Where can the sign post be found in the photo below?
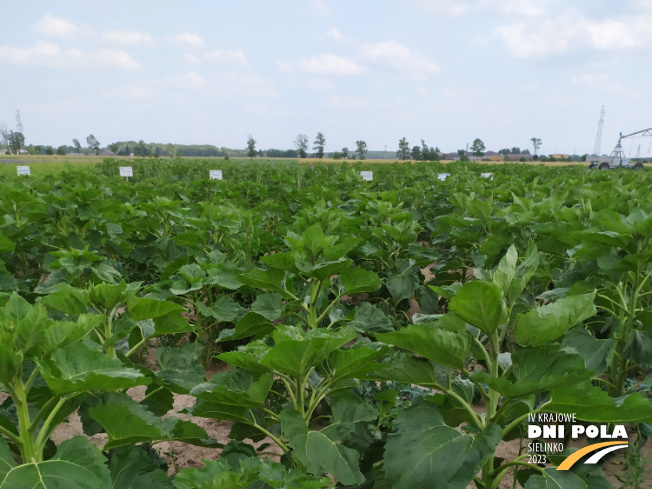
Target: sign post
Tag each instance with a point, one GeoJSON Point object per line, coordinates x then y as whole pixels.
{"type": "Point", "coordinates": [126, 171]}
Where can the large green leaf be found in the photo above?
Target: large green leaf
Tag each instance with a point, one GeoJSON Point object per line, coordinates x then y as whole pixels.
{"type": "Point", "coordinates": [481, 305]}
{"type": "Point", "coordinates": [512, 279]}
{"type": "Point", "coordinates": [246, 473]}
{"type": "Point", "coordinates": [596, 352]}
{"type": "Point", "coordinates": [80, 367]}
{"type": "Point", "coordinates": [108, 295]}
{"type": "Point", "coordinates": [424, 450]}
{"type": "Point", "coordinates": [172, 325]}
{"type": "Point", "coordinates": [10, 362]}
{"type": "Point", "coordinates": [441, 346]}
{"type": "Point", "coordinates": [369, 319]}
{"type": "Point", "coordinates": [228, 395]}
{"type": "Point", "coordinates": [402, 285]}
{"type": "Point", "coordinates": [536, 370]}
{"type": "Point", "coordinates": [62, 333]}
{"type": "Point", "coordinates": [357, 280]}
{"type": "Point", "coordinates": [349, 408]}
{"type": "Point", "coordinates": [547, 323]}
{"type": "Point", "coordinates": [268, 305]}
{"type": "Point", "coordinates": [128, 422]}
{"type": "Point", "coordinates": [324, 270]}
{"type": "Point", "coordinates": [407, 369]}
{"type": "Point", "coordinates": [224, 309]}
{"type": "Point", "coordinates": [78, 464]}
{"type": "Point", "coordinates": [251, 324]}
{"type": "Point", "coordinates": [321, 451]}
{"type": "Point", "coordinates": [639, 348]}
{"type": "Point", "coordinates": [67, 299]}
{"type": "Point", "coordinates": [248, 357]}
{"type": "Point", "coordinates": [355, 362]}
{"type": "Point", "coordinates": [272, 279]}
{"type": "Point", "coordinates": [564, 479]}
{"type": "Point", "coordinates": [295, 351]}
{"type": "Point", "coordinates": [592, 404]}
{"type": "Point", "coordinates": [22, 326]}
{"type": "Point", "coordinates": [142, 308]}
{"type": "Point", "coordinates": [179, 367]}
{"type": "Point", "coordinates": [6, 245]}
{"type": "Point", "coordinates": [135, 467]}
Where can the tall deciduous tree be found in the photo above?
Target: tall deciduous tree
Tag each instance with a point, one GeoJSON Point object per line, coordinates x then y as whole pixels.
{"type": "Point", "coordinates": [141, 149]}
{"type": "Point", "coordinates": [77, 144]}
{"type": "Point", "coordinates": [478, 148]}
{"type": "Point", "coordinates": [301, 142]}
{"type": "Point", "coordinates": [361, 149]}
{"type": "Point", "coordinates": [319, 145]}
{"type": "Point", "coordinates": [403, 149]}
{"type": "Point", "coordinates": [93, 144]}
{"type": "Point", "coordinates": [4, 133]}
{"type": "Point", "coordinates": [16, 142]}
{"type": "Point", "coordinates": [251, 147]}
{"type": "Point", "coordinates": [536, 142]}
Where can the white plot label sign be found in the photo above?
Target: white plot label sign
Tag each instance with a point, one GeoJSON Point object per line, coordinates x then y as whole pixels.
{"type": "Point", "coordinates": [490, 176]}
{"type": "Point", "coordinates": [442, 176]}
{"type": "Point", "coordinates": [215, 174]}
{"type": "Point", "coordinates": [367, 175]}
{"type": "Point", "coordinates": [23, 170]}
{"type": "Point", "coordinates": [126, 171]}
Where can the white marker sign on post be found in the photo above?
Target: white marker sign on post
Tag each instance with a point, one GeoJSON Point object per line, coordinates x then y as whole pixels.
{"type": "Point", "coordinates": [126, 171]}
{"type": "Point", "coordinates": [490, 176]}
{"type": "Point", "coordinates": [443, 176]}
{"type": "Point", "coordinates": [23, 170]}
{"type": "Point", "coordinates": [215, 174]}
{"type": "Point", "coordinates": [367, 175]}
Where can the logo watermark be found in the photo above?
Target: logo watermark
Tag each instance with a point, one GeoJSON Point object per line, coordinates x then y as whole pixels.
{"type": "Point", "coordinates": [556, 426]}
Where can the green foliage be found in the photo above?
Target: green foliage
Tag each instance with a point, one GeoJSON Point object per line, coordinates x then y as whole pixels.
{"type": "Point", "coordinates": [314, 285]}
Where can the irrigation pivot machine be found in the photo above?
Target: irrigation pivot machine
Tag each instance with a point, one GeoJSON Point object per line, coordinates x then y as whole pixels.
{"type": "Point", "coordinates": [617, 158]}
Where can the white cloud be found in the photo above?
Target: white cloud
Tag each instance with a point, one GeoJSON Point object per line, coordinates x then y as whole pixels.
{"type": "Point", "coordinates": [189, 81]}
{"type": "Point", "coordinates": [188, 39]}
{"type": "Point", "coordinates": [193, 59]}
{"type": "Point", "coordinates": [395, 55]}
{"type": "Point", "coordinates": [130, 38]}
{"type": "Point", "coordinates": [471, 7]}
{"type": "Point", "coordinates": [115, 59]}
{"type": "Point", "coordinates": [235, 84]}
{"type": "Point", "coordinates": [320, 84]}
{"type": "Point", "coordinates": [55, 26]}
{"type": "Point", "coordinates": [232, 57]}
{"type": "Point", "coordinates": [193, 81]}
{"type": "Point", "coordinates": [43, 53]}
{"type": "Point", "coordinates": [129, 92]}
{"type": "Point", "coordinates": [570, 31]}
{"type": "Point", "coordinates": [335, 35]}
{"type": "Point", "coordinates": [330, 64]}
{"type": "Point", "coordinates": [320, 8]}
{"type": "Point", "coordinates": [603, 83]}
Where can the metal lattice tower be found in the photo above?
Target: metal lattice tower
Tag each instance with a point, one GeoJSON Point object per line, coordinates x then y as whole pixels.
{"type": "Point", "coordinates": [19, 123]}
{"type": "Point", "coordinates": [598, 136]}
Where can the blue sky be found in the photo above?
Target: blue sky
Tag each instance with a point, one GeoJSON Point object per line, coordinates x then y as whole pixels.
{"type": "Point", "coordinates": [213, 72]}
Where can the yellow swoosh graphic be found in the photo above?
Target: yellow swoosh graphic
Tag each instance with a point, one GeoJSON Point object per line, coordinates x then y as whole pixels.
{"type": "Point", "coordinates": [571, 459]}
